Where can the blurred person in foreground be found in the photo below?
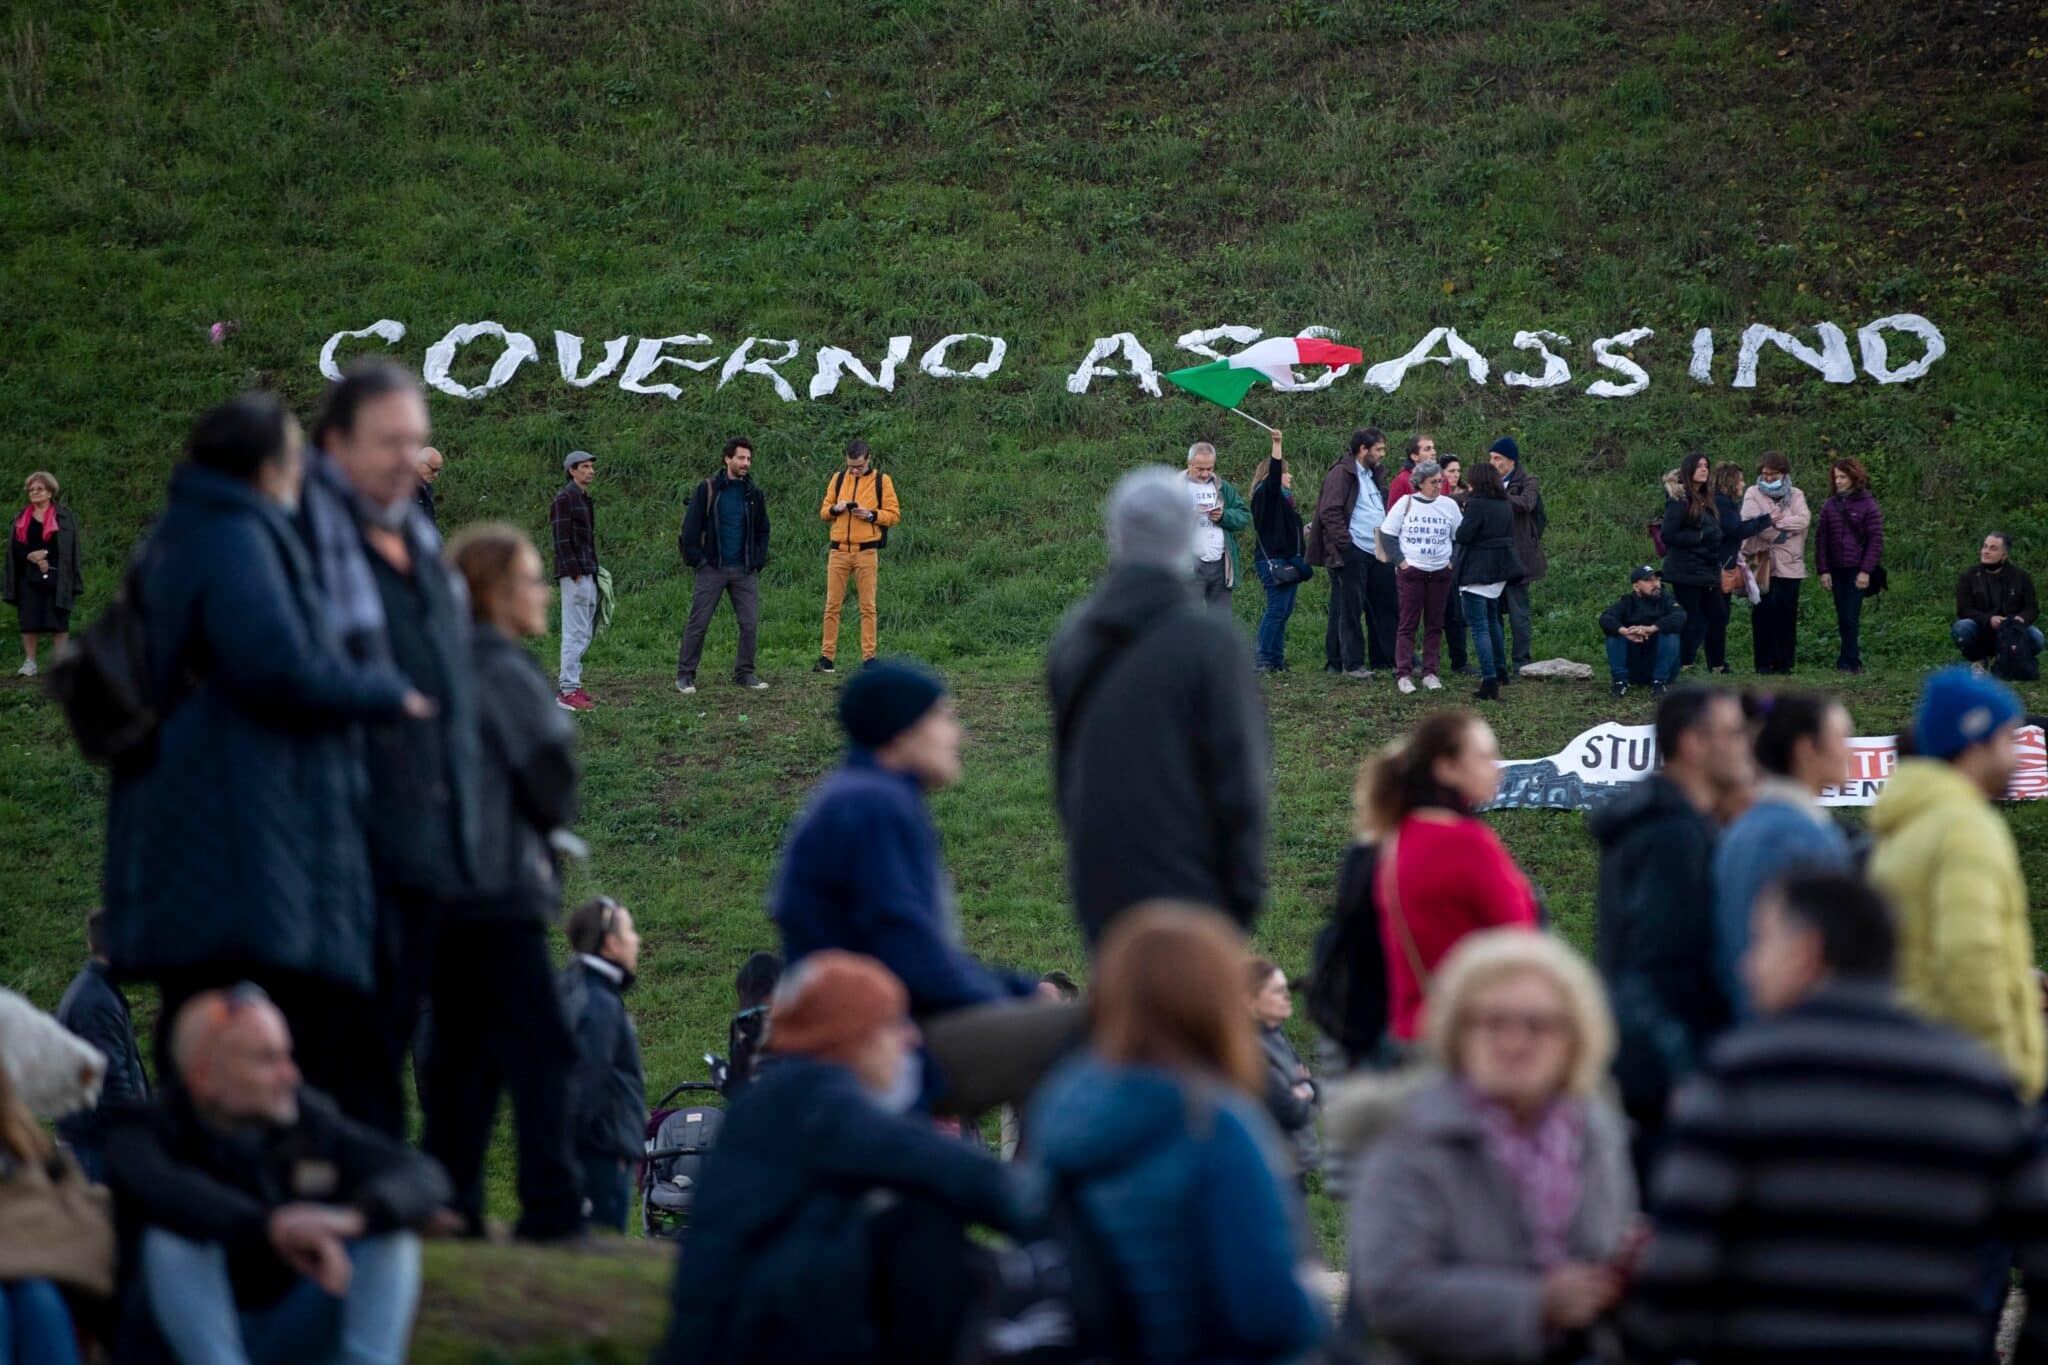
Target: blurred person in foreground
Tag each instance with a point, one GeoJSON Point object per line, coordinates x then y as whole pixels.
{"type": "Point", "coordinates": [94, 1009]}
{"type": "Point", "coordinates": [263, 1224]}
{"type": "Point", "coordinates": [1834, 1178]}
{"type": "Point", "coordinates": [1494, 1219]}
{"type": "Point", "coordinates": [831, 1226]}
{"type": "Point", "coordinates": [1161, 770]}
{"type": "Point", "coordinates": [1159, 1131]}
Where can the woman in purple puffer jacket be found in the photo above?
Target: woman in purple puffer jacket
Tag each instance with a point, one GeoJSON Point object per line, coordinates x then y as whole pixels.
{"type": "Point", "coordinates": [1851, 537]}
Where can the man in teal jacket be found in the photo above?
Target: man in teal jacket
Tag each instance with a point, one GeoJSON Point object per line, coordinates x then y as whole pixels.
{"type": "Point", "coordinates": [1219, 515]}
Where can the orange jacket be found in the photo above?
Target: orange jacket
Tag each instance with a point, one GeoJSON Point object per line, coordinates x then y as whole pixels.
{"type": "Point", "coordinates": [872, 490]}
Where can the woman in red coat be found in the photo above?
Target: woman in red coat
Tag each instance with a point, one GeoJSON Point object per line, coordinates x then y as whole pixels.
{"type": "Point", "coordinates": [1442, 874]}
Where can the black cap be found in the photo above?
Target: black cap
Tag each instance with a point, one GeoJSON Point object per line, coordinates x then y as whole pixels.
{"type": "Point", "coordinates": [1643, 574]}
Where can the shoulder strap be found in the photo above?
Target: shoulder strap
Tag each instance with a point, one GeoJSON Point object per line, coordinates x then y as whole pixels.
{"type": "Point", "coordinates": [1390, 861]}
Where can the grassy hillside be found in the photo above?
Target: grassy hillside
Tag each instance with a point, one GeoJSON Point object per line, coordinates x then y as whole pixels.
{"type": "Point", "coordinates": [1050, 173]}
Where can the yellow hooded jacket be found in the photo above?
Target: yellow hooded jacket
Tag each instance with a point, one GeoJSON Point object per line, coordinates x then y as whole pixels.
{"type": "Point", "coordinates": [1966, 952]}
{"type": "Point", "coordinates": [873, 490]}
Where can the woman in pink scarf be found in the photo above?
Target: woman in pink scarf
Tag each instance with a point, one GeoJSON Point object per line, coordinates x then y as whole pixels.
{"type": "Point", "coordinates": [41, 568]}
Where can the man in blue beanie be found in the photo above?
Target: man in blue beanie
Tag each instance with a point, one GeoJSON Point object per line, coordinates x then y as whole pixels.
{"type": "Point", "coordinates": [1531, 522]}
{"type": "Point", "coordinates": [1949, 863]}
{"type": "Point", "coordinates": [862, 871]}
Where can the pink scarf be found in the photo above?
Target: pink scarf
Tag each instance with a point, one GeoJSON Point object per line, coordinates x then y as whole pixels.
{"type": "Point", "coordinates": [21, 523]}
{"type": "Point", "coordinates": [1543, 1163]}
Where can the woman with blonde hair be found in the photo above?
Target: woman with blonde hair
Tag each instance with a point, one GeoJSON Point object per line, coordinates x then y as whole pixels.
{"type": "Point", "coordinates": [1440, 873]}
{"type": "Point", "coordinates": [41, 575]}
{"type": "Point", "coordinates": [1494, 1217]}
{"type": "Point", "coordinates": [1160, 1133]}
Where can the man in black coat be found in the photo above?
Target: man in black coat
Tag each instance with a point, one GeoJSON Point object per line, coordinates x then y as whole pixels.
{"type": "Point", "coordinates": [257, 1217]}
{"type": "Point", "coordinates": [391, 600]}
{"type": "Point", "coordinates": [724, 541]}
{"type": "Point", "coordinates": [1655, 929]}
{"type": "Point", "coordinates": [607, 1088]}
{"type": "Point", "coordinates": [1990, 593]}
{"type": "Point", "coordinates": [1643, 631]}
{"type": "Point", "coordinates": [94, 1009]}
{"type": "Point", "coordinates": [1160, 763]}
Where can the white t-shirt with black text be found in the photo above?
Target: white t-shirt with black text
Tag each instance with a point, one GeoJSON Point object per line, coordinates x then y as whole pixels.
{"type": "Point", "coordinates": [1424, 527]}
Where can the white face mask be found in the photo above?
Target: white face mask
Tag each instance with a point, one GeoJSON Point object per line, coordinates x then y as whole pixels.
{"type": "Point", "coordinates": [906, 1087]}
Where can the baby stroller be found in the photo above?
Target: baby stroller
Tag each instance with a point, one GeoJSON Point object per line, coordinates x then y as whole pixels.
{"type": "Point", "coordinates": [679, 1142]}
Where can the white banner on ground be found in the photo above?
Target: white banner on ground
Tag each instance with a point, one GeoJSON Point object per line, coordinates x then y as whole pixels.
{"type": "Point", "coordinates": [1608, 757]}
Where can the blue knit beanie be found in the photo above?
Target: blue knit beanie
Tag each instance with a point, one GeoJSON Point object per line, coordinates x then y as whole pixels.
{"type": "Point", "coordinates": [1959, 709]}
{"type": "Point", "coordinates": [1506, 446]}
{"type": "Point", "coordinates": [886, 698]}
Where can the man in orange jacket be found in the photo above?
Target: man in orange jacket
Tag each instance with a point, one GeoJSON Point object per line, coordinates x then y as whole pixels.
{"type": "Point", "coordinates": [860, 506]}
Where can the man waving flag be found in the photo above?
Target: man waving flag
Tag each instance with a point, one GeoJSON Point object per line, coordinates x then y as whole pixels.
{"type": "Point", "coordinates": [1226, 381]}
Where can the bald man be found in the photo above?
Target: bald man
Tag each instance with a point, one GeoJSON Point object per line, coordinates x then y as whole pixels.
{"type": "Point", "coordinates": [428, 464]}
{"type": "Point", "coordinates": [268, 1226]}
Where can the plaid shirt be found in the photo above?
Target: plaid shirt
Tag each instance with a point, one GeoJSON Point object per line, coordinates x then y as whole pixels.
{"type": "Point", "coordinates": [574, 523]}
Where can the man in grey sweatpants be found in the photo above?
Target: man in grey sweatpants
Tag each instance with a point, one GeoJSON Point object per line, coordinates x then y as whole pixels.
{"type": "Point", "coordinates": [725, 541]}
{"type": "Point", "coordinates": [573, 521]}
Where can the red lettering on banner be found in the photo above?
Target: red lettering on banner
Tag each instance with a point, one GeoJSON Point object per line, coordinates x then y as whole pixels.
{"type": "Point", "coordinates": [2030, 778]}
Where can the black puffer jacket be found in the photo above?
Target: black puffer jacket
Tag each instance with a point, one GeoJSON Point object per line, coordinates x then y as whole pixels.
{"type": "Point", "coordinates": [1692, 549]}
{"type": "Point", "coordinates": [1734, 530]}
{"type": "Point", "coordinates": [1637, 610]}
{"type": "Point", "coordinates": [608, 1089]}
{"type": "Point", "coordinates": [699, 538]}
{"type": "Point", "coordinates": [526, 783]}
{"type": "Point", "coordinates": [1486, 541]}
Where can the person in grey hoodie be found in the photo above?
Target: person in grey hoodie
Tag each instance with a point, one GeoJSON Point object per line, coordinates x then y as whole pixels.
{"type": "Point", "coordinates": [1160, 761]}
{"type": "Point", "coordinates": [1291, 1092]}
{"type": "Point", "coordinates": [1494, 1216]}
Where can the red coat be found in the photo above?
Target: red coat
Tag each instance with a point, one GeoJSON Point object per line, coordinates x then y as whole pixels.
{"type": "Point", "coordinates": [1454, 878]}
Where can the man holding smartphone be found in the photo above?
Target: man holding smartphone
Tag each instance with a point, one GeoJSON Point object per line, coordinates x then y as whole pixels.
{"type": "Point", "coordinates": [860, 507]}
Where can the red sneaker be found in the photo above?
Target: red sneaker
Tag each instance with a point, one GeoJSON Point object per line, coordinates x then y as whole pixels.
{"type": "Point", "coordinates": [578, 700]}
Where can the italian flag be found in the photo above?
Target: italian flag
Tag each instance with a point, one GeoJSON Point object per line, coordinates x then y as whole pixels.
{"type": "Point", "coordinates": [1226, 382]}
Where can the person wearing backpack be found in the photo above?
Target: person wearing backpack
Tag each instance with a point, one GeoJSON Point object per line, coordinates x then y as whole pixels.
{"type": "Point", "coordinates": [1160, 1133]}
{"type": "Point", "coordinates": [794, 1252]}
{"type": "Point", "coordinates": [1160, 759]}
{"type": "Point", "coordinates": [236, 848]}
{"type": "Point", "coordinates": [1850, 554]}
{"type": "Point", "coordinates": [860, 506]}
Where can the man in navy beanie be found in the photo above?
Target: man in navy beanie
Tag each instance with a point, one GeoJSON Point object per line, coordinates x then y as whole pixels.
{"type": "Point", "coordinates": [1531, 521]}
{"type": "Point", "coordinates": [862, 871]}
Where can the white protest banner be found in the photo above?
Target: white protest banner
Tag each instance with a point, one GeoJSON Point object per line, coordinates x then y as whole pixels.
{"type": "Point", "coordinates": [1605, 759]}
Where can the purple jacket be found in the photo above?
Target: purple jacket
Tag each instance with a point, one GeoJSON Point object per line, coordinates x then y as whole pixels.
{"type": "Point", "coordinates": [1851, 534]}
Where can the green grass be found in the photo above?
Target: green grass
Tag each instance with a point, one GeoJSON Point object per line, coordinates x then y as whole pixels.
{"type": "Point", "coordinates": [1047, 172]}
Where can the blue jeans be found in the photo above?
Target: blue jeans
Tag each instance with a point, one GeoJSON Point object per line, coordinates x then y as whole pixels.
{"type": "Point", "coordinates": [35, 1326]}
{"type": "Point", "coordinates": [1489, 644]}
{"type": "Point", "coordinates": [193, 1302]}
{"type": "Point", "coordinates": [1979, 643]}
{"type": "Point", "coordinates": [1654, 661]}
{"type": "Point", "coordinates": [1271, 648]}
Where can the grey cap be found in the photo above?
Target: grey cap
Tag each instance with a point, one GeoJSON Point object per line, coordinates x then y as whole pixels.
{"type": "Point", "coordinates": [1150, 520]}
{"type": "Point", "coordinates": [576, 457]}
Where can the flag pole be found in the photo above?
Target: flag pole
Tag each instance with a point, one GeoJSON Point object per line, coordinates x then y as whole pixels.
{"type": "Point", "coordinates": [1249, 418]}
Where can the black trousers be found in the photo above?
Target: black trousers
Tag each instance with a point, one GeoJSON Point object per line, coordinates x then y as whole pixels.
{"type": "Point", "coordinates": [1775, 624]}
{"type": "Point", "coordinates": [1849, 620]}
{"type": "Point", "coordinates": [1454, 630]}
{"type": "Point", "coordinates": [1699, 601]}
{"type": "Point", "coordinates": [498, 1026]}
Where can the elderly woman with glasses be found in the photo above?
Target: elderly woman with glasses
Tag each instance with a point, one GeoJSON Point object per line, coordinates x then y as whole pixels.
{"type": "Point", "coordinates": [1495, 1212]}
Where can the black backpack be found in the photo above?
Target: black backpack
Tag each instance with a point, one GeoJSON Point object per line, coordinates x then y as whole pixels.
{"type": "Point", "coordinates": [1060, 1299]}
{"type": "Point", "coordinates": [1347, 983]}
{"type": "Point", "coordinates": [102, 682]}
{"type": "Point", "coordinates": [2014, 659]}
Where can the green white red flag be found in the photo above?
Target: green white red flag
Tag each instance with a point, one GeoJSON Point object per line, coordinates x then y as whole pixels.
{"type": "Point", "coordinates": [1227, 381]}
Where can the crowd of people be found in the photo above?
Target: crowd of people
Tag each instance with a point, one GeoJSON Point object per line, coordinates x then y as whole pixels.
{"type": "Point", "coordinates": [1787, 1111]}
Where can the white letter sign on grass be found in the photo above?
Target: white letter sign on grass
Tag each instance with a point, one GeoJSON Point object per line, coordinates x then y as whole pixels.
{"type": "Point", "coordinates": [519, 349]}
{"type": "Point", "coordinates": [1388, 374]}
{"type": "Point", "coordinates": [933, 361]}
{"type": "Point", "coordinates": [1198, 341]}
{"type": "Point", "coordinates": [1604, 356]}
{"type": "Point", "coordinates": [744, 361]}
{"type": "Point", "coordinates": [648, 357]}
{"type": "Point", "coordinates": [1555, 371]}
{"type": "Point", "coordinates": [1870, 339]}
{"type": "Point", "coordinates": [1135, 355]}
{"type": "Point", "coordinates": [569, 357]}
{"type": "Point", "coordinates": [1832, 359]}
{"type": "Point", "coordinates": [390, 330]}
{"type": "Point", "coordinates": [832, 361]}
